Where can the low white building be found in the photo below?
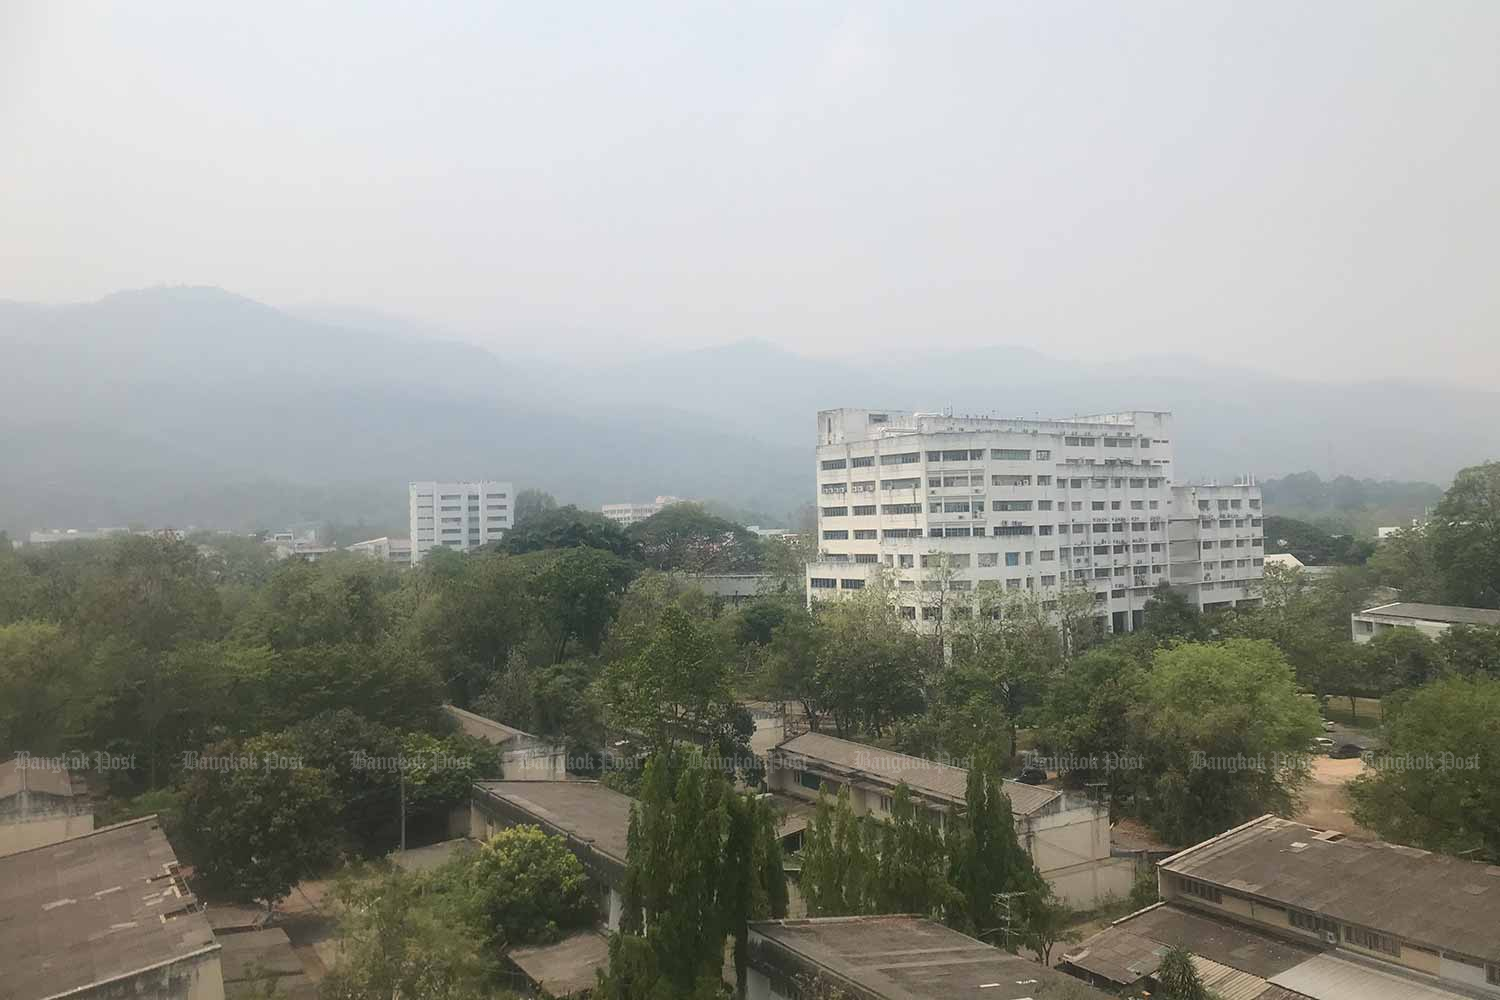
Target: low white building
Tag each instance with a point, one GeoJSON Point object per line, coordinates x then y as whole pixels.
{"type": "Point", "coordinates": [396, 551]}
{"type": "Point", "coordinates": [458, 515]}
{"type": "Point", "coordinates": [1432, 620]}
{"type": "Point", "coordinates": [626, 514]}
{"type": "Point", "coordinates": [1066, 835]}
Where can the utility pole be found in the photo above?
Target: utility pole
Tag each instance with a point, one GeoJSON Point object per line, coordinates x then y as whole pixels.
{"type": "Point", "coordinates": [1002, 902]}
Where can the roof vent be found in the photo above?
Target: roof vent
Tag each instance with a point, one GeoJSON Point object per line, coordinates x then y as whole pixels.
{"type": "Point", "coordinates": [1298, 846]}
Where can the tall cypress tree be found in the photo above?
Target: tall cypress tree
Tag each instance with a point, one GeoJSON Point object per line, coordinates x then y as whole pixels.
{"type": "Point", "coordinates": [985, 856]}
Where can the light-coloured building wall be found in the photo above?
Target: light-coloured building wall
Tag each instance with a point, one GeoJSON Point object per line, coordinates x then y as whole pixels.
{"type": "Point", "coordinates": [626, 514]}
{"type": "Point", "coordinates": [944, 506]}
{"type": "Point", "coordinates": [458, 515]}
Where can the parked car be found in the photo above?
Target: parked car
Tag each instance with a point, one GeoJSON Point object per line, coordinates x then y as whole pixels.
{"type": "Point", "coordinates": [1324, 743]}
{"type": "Point", "coordinates": [1347, 751]}
{"type": "Point", "coordinates": [1328, 726]}
{"type": "Point", "coordinates": [1031, 775]}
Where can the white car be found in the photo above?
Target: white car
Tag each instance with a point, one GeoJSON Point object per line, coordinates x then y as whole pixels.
{"type": "Point", "coordinates": [1324, 743]}
{"type": "Point", "coordinates": [1328, 726]}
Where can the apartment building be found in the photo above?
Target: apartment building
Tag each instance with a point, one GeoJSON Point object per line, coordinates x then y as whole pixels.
{"type": "Point", "coordinates": [1067, 836]}
{"type": "Point", "coordinates": [458, 515]}
{"type": "Point", "coordinates": [953, 503]}
{"type": "Point", "coordinates": [1274, 908]}
{"type": "Point", "coordinates": [626, 514]}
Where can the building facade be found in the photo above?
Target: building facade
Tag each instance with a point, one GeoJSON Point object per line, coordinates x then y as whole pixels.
{"type": "Point", "coordinates": [1432, 620]}
{"type": "Point", "coordinates": [458, 515]}
{"type": "Point", "coordinates": [957, 504]}
{"type": "Point", "coordinates": [626, 514]}
{"type": "Point", "coordinates": [396, 551]}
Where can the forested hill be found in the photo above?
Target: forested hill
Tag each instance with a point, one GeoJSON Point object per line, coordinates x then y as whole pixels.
{"type": "Point", "coordinates": [196, 406]}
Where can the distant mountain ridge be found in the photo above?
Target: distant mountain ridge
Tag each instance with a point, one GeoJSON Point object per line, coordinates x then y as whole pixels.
{"type": "Point", "coordinates": [194, 405]}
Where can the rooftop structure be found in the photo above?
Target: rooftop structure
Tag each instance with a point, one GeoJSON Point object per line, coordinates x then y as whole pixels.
{"type": "Point", "coordinates": [569, 967]}
{"type": "Point", "coordinates": [1431, 620]}
{"type": "Point", "coordinates": [1067, 836]}
{"type": "Point", "coordinates": [458, 515]}
{"type": "Point", "coordinates": [104, 914]}
{"type": "Point", "coordinates": [40, 805]}
{"type": "Point", "coordinates": [898, 957]}
{"type": "Point", "coordinates": [523, 757]}
{"type": "Point", "coordinates": [947, 506]}
{"type": "Point", "coordinates": [1311, 912]}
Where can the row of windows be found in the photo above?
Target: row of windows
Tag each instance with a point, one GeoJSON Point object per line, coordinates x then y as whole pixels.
{"type": "Point", "coordinates": [1239, 543]}
{"type": "Point", "coordinates": [951, 455]}
{"type": "Point", "coordinates": [1084, 441]}
{"type": "Point", "coordinates": [829, 583]}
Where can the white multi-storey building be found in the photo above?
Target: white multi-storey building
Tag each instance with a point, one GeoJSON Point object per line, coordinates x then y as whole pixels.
{"type": "Point", "coordinates": [460, 516]}
{"type": "Point", "coordinates": [956, 503]}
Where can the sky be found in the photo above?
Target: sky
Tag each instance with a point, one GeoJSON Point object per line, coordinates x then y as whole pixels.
{"type": "Point", "coordinates": [1308, 188]}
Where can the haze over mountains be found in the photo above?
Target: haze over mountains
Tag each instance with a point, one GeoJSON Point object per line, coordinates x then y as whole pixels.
{"type": "Point", "coordinates": [196, 406]}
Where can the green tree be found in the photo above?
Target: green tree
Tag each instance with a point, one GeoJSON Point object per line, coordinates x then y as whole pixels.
{"type": "Point", "coordinates": [837, 864]}
{"type": "Point", "coordinates": [40, 677]}
{"type": "Point", "coordinates": [677, 686]}
{"type": "Point", "coordinates": [577, 595]}
{"type": "Point", "coordinates": [1170, 617]}
{"type": "Point", "coordinates": [685, 537]}
{"type": "Point", "coordinates": [149, 591]}
{"type": "Point", "coordinates": [1402, 658]}
{"type": "Point", "coordinates": [329, 602]}
{"type": "Point", "coordinates": [1225, 732]}
{"type": "Point", "coordinates": [1469, 650]}
{"type": "Point", "coordinates": [531, 888]}
{"type": "Point", "coordinates": [1043, 922]}
{"type": "Point", "coordinates": [568, 528]}
{"type": "Point", "coordinates": [1406, 562]}
{"type": "Point", "coordinates": [477, 611]}
{"type": "Point", "coordinates": [257, 822]}
{"type": "Point", "coordinates": [689, 881]}
{"type": "Point", "coordinates": [396, 940]}
{"type": "Point", "coordinates": [532, 502]}
{"type": "Point", "coordinates": [986, 859]}
{"type": "Point", "coordinates": [1178, 976]}
{"type": "Point", "coordinates": [1465, 530]}
{"type": "Point", "coordinates": [1442, 791]}
{"type": "Point", "coordinates": [1087, 719]}
{"type": "Point", "coordinates": [911, 865]}
{"type": "Point", "coordinates": [871, 668]}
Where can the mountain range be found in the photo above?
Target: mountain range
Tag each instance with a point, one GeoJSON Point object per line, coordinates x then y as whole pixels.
{"type": "Point", "coordinates": [195, 406]}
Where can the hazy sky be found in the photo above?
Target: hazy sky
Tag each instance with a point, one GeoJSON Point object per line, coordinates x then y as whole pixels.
{"type": "Point", "coordinates": [1306, 185]}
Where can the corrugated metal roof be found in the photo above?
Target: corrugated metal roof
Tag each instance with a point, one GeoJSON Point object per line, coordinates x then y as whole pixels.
{"type": "Point", "coordinates": [1437, 613]}
{"type": "Point", "coordinates": [1329, 978]}
{"type": "Point", "coordinates": [1226, 983]}
{"type": "Point", "coordinates": [1419, 896]}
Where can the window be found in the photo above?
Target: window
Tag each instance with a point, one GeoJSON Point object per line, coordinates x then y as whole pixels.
{"type": "Point", "coordinates": [1011, 454]}
{"type": "Point", "coordinates": [1044, 505]}
{"type": "Point", "coordinates": [1097, 505]}
{"type": "Point", "coordinates": [1011, 530]}
{"type": "Point", "coordinates": [835, 536]}
{"type": "Point", "coordinates": [1137, 505]}
{"type": "Point", "coordinates": [1492, 974]}
{"type": "Point", "coordinates": [852, 584]}
{"type": "Point", "coordinates": [832, 463]}
{"type": "Point", "coordinates": [1371, 940]}
{"type": "Point", "coordinates": [956, 507]}
{"type": "Point", "coordinates": [1043, 455]}
{"type": "Point", "coordinates": [905, 458]}
{"type": "Point", "coordinates": [866, 534]}
{"type": "Point", "coordinates": [904, 561]}
{"type": "Point", "coordinates": [957, 532]}
{"type": "Point", "coordinates": [908, 612]}
{"type": "Point", "coordinates": [866, 557]}
{"type": "Point", "coordinates": [1012, 558]}
{"type": "Point", "coordinates": [1044, 529]}
{"type": "Point", "coordinates": [1111, 443]}
{"type": "Point", "coordinates": [822, 583]}
{"type": "Point", "coordinates": [1011, 505]}
{"type": "Point", "coordinates": [829, 489]}
{"type": "Point", "coordinates": [1007, 481]}
{"type": "Point", "coordinates": [903, 532]}
{"type": "Point", "coordinates": [1070, 441]}
{"type": "Point", "coordinates": [1137, 484]}
{"type": "Point", "coordinates": [930, 613]}
{"type": "Point", "coordinates": [901, 508]}
{"type": "Point", "coordinates": [864, 510]}
{"type": "Point", "coordinates": [809, 780]}
{"type": "Point", "coordinates": [1114, 505]}
{"type": "Point", "coordinates": [835, 511]}
{"type": "Point", "coordinates": [900, 484]}
{"type": "Point", "coordinates": [1202, 890]}
{"type": "Point", "coordinates": [863, 486]}
{"type": "Point", "coordinates": [1075, 484]}
{"type": "Point", "coordinates": [862, 462]}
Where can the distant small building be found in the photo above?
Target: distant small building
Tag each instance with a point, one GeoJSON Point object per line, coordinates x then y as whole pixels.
{"type": "Point", "coordinates": [460, 516]}
{"type": "Point", "coordinates": [1432, 620]}
{"type": "Point", "coordinates": [1285, 560]}
{"type": "Point", "coordinates": [733, 588]}
{"type": "Point", "coordinates": [102, 916]}
{"type": "Point", "coordinates": [626, 514]}
{"type": "Point", "coordinates": [891, 957]}
{"type": "Point", "coordinates": [54, 535]}
{"type": "Point", "coordinates": [1067, 836]}
{"type": "Point", "coordinates": [396, 551]}
{"type": "Point", "coordinates": [524, 757]}
{"type": "Point", "coordinates": [40, 805]}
